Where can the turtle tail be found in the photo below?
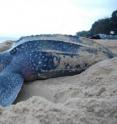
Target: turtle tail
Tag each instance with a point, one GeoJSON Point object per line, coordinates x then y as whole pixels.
{"type": "Point", "coordinates": [10, 85]}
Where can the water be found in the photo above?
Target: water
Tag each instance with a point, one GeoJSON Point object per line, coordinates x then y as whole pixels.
{"type": "Point", "coordinates": [2, 39]}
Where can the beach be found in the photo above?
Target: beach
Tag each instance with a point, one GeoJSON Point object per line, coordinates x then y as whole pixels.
{"type": "Point", "coordinates": [87, 98]}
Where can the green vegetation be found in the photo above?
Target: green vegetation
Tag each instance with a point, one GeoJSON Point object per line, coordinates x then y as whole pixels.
{"type": "Point", "coordinates": [103, 26]}
{"type": "Point", "coordinates": [83, 33]}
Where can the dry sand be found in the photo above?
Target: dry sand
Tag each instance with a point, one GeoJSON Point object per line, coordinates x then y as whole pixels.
{"type": "Point", "coordinates": [5, 45]}
{"type": "Point", "coordinates": [87, 98]}
{"type": "Point", "coordinates": [111, 44]}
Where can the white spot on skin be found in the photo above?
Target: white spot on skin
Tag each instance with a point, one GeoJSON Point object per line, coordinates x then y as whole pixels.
{"type": "Point", "coordinates": [68, 67]}
{"type": "Point", "coordinates": [40, 62]}
{"type": "Point", "coordinates": [55, 61]}
{"type": "Point", "coordinates": [35, 55]}
{"type": "Point", "coordinates": [43, 57]}
{"type": "Point", "coordinates": [30, 55]}
{"type": "Point", "coordinates": [34, 65]}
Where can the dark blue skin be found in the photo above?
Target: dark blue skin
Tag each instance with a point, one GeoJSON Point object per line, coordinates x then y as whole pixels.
{"type": "Point", "coordinates": [39, 59]}
{"type": "Point", "coordinates": [47, 45]}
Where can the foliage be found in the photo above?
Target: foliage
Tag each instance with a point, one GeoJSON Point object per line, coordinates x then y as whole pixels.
{"type": "Point", "coordinates": [114, 17]}
{"type": "Point", "coordinates": [105, 26]}
{"type": "Point", "coordinates": [83, 33]}
{"type": "Point", "coordinates": [102, 26]}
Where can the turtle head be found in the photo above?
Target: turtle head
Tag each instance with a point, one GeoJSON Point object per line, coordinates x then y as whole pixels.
{"type": "Point", "coordinates": [5, 59]}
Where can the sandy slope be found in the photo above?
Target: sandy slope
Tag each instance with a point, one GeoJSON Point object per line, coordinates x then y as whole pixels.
{"type": "Point", "coordinates": [87, 98]}
{"type": "Point", "coordinates": [111, 44]}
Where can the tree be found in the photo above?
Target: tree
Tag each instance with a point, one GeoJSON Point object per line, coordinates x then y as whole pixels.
{"type": "Point", "coordinates": [114, 17]}
{"type": "Point", "coordinates": [83, 33]}
{"type": "Point", "coordinates": [103, 26]}
{"type": "Point", "coordinates": [114, 21]}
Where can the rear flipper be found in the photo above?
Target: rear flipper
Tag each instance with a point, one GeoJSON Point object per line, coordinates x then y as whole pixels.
{"type": "Point", "coordinates": [10, 85]}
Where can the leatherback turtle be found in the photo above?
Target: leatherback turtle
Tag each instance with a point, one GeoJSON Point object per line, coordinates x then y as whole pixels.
{"type": "Point", "coordinates": [31, 59]}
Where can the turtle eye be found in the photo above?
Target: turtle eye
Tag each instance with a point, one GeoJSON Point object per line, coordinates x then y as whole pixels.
{"type": "Point", "coordinates": [13, 51]}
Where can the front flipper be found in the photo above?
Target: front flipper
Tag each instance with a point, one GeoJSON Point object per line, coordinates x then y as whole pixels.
{"type": "Point", "coordinates": [10, 85]}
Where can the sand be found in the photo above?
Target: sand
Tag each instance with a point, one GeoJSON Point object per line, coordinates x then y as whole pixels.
{"type": "Point", "coordinates": [5, 45]}
{"type": "Point", "coordinates": [111, 44]}
{"type": "Point", "coordinates": [87, 98]}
